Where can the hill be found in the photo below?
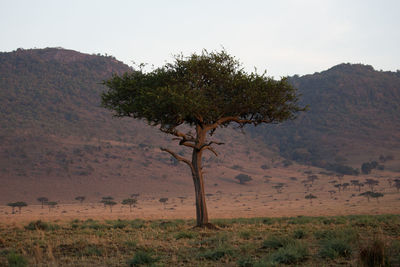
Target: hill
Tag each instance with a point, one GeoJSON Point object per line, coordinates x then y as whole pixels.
{"type": "Point", "coordinates": [353, 117]}
{"type": "Point", "coordinates": [56, 140]}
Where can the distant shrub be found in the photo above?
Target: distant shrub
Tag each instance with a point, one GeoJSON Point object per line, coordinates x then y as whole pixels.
{"type": "Point", "coordinates": [275, 242]}
{"type": "Point", "coordinates": [341, 169]}
{"type": "Point", "coordinates": [291, 254]}
{"type": "Point", "coordinates": [137, 224]}
{"type": "Point", "coordinates": [216, 254]}
{"type": "Point", "coordinates": [16, 260]}
{"type": "Point", "coordinates": [299, 234]}
{"type": "Point", "coordinates": [237, 167]}
{"type": "Point", "coordinates": [245, 262]}
{"type": "Point", "coordinates": [142, 258]}
{"type": "Point", "coordinates": [287, 163]}
{"type": "Point", "coordinates": [243, 178]}
{"type": "Point", "coordinates": [184, 234]}
{"type": "Point", "coordinates": [91, 250]}
{"type": "Point", "coordinates": [373, 254]}
{"type": "Point", "coordinates": [40, 225]}
{"type": "Point", "coordinates": [333, 248]}
{"type": "Point", "coordinates": [264, 167]}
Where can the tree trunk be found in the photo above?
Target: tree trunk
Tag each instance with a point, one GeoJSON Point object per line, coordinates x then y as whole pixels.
{"type": "Point", "coordinates": [197, 174]}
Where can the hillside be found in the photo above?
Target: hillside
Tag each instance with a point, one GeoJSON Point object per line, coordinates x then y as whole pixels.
{"type": "Point", "coordinates": [56, 140]}
{"type": "Point", "coordinates": [353, 117]}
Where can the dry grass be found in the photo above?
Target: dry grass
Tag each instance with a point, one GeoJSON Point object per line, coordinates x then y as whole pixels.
{"type": "Point", "coordinates": [302, 241]}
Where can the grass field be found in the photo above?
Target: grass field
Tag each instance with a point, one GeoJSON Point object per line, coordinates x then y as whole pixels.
{"type": "Point", "coordinates": [359, 240]}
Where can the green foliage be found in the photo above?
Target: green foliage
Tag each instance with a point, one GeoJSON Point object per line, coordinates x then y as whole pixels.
{"type": "Point", "coordinates": [341, 169]}
{"type": "Point", "coordinates": [216, 254]}
{"type": "Point", "coordinates": [209, 86]}
{"type": "Point", "coordinates": [80, 198]}
{"type": "Point", "coordinates": [274, 242]}
{"type": "Point", "coordinates": [142, 258]}
{"type": "Point", "coordinates": [333, 248]}
{"type": "Point", "coordinates": [16, 260]}
{"type": "Point", "coordinates": [185, 235]}
{"type": "Point", "coordinates": [243, 178]}
{"type": "Point", "coordinates": [245, 262]}
{"type": "Point", "coordinates": [92, 250]}
{"type": "Point", "coordinates": [367, 167]}
{"type": "Point", "coordinates": [290, 254]}
{"type": "Point", "coordinates": [299, 234]}
{"type": "Point", "coordinates": [40, 225]}
{"type": "Point", "coordinates": [129, 201]}
{"type": "Point", "coordinates": [373, 254]}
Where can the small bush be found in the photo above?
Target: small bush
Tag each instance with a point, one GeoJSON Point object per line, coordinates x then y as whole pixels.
{"type": "Point", "coordinates": [119, 224]}
{"type": "Point", "coordinates": [245, 234]}
{"type": "Point", "coordinates": [275, 242]}
{"type": "Point", "coordinates": [39, 225]}
{"type": "Point", "coordinates": [92, 250]}
{"type": "Point", "coordinates": [299, 234]}
{"type": "Point", "coordinates": [130, 244]}
{"type": "Point", "coordinates": [16, 260]}
{"type": "Point", "coordinates": [184, 234]}
{"type": "Point", "coordinates": [216, 254]}
{"type": "Point", "coordinates": [290, 254]}
{"type": "Point", "coordinates": [217, 240]}
{"type": "Point", "coordinates": [142, 258]}
{"type": "Point", "coordinates": [137, 224]}
{"type": "Point", "coordinates": [394, 253]}
{"type": "Point", "coordinates": [334, 248]}
{"type": "Point", "coordinates": [373, 254]}
{"type": "Point", "coordinates": [245, 262]}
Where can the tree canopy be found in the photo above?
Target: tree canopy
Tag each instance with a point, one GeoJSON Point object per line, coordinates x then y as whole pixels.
{"type": "Point", "coordinates": [211, 89]}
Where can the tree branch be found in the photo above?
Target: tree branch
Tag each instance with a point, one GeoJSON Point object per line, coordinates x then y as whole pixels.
{"type": "Point", "coordinates": [209, 147]}
{"type": "Point", "coordinates": [236, 119]}
{"type": "Point", "coordinates": [177, 133]}
{"type": "Point", "coordinates": [179, 158]}
{"type": "Point", "coordinates": [212, 150]}
{"type": "Point", "coordinates": [210, 143]}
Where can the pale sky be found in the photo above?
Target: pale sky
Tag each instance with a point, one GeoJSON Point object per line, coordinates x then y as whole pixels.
{"type": "Point", "coordinates": [285, 37]}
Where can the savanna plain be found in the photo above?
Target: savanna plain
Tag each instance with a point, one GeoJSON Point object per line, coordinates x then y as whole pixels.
{"type": "Point", "coordinates": [264, 222]}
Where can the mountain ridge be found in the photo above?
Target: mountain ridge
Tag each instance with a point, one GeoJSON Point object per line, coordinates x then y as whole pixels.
{"type": "Point", "coordinates": [54, 132]}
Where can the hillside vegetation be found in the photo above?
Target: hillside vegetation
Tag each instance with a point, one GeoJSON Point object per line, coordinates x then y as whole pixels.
{"type": "Point", "coordinates": [353, 117]}
{"type": "Point", "coordinates": [55, 136]}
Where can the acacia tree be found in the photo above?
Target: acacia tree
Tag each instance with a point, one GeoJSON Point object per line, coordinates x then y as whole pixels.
{"type": "Point", "coordinates": [310, 197]}
{"type": "Point", "coordinates": [243, 178]}
{"type": "Point", "coordinates": [80, 198]}
{"type": "Point", "coordinates": [129, 201]}
{"type": "Point", "coordinates": [43, 200]}
{"type": "Point", "coordinates": [204, 92]}
{"type": "Point", "coordinates": [19, 205]}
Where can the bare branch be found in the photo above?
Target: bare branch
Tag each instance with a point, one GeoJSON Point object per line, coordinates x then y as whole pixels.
{"type": "Point", "coordinates": [209, 147]}
{"type": "Point", "coordinates": [179, 158]}
{"type": "Point", "coordinates": [210, 143]}
{"type": "Point", "coordinates": [212, 150]}
{"type": "Point", "coordinates": [187, 143]}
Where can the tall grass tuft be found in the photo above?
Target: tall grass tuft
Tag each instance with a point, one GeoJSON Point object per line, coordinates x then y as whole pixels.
{"type": "Point", "coordinates": [290, 254]}
{"type": "Point", "coordinates": [373, 254]}
{"type": "Point", "coordinates": [16, 260]}
{"type": "Point", "coordinates": [334, 248]}
{"type": "Point", "coordinates": [142, 258]}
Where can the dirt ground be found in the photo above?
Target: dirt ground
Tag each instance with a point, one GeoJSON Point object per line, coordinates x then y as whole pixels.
{"type": "Point", "coordinates": [258, 198]}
